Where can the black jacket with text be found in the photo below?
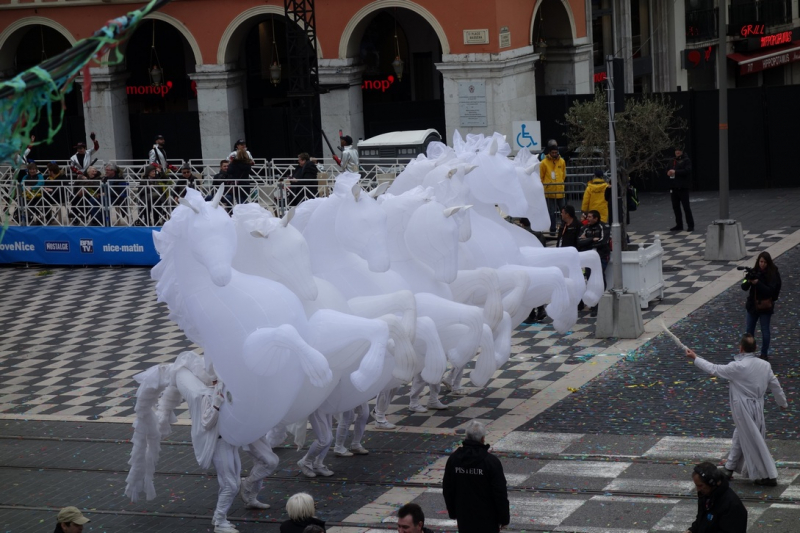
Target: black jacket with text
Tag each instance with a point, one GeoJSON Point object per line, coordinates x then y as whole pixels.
{"type": "Point", "coordinates": [474, 489]}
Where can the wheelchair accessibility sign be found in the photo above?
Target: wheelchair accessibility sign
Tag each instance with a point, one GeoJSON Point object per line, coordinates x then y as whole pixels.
{"type": "Point", "coordinates": [527, 134]}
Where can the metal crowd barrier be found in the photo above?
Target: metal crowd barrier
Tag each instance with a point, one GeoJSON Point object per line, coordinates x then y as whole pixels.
{"type": "Point", "coordinates": [133, 201]}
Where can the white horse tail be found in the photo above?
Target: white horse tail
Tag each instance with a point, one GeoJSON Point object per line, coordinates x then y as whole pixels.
{"type": "Point", "coordinates": [486, 363]}
{"type": "Point", "coordinates": [502, 340]}
{"type": "Point", "coordinates": [267, 351]}
{"type": "Point", "coordinates": [146, 438]}
{"type": "Point", "coordinates": [595, 287]}
{"type": "Point", "coordinates": [435, 358]}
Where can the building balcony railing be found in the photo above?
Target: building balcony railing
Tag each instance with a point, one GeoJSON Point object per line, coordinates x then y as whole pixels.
{"type": "Point", "coordinates": [701, 25]}
{"type": "Point", "coordinates": [767, 12]}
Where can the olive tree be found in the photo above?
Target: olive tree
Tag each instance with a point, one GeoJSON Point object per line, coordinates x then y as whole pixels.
{"type": "Point", "coordinates": [648, 127]}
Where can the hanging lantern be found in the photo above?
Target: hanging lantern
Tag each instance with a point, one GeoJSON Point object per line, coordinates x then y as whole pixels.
{"type": "Point", "coordinates": [156, 73]}
{"type": "Point", "coordinates": [397, 65]}
{"type": "Point", "coordinates": [275, 74]}
{"type": "Point", "coordinates": [275, 68]}
{"type": "Point", "coordinates": [156, 76]}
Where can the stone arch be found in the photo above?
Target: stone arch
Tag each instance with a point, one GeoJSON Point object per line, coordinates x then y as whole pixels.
{"type": "Point", "coordinates": [178, 25]}
{"type": "Point", "coordinates": [351, 36]}
{"type": "Point", "coordinates": [567, 11]}
{"type": "Point", "coordinates": [11, 36]}
{"type": "Point", "coordinates": [228, 50]}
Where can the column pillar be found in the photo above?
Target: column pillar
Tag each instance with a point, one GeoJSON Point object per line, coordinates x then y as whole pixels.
{"type": "Point", "coordinates": [106, 112]}
{"type": "Point", "coordinates": [221, 104]}
{"type": "Point", "coordinates": [568, 69]}
{"type": "Point", "coordinates": [510, 88]}
{"type": "Point", "coordinates": [342, 107]}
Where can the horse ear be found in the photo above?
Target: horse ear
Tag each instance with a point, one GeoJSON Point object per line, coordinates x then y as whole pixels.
{"type": "Point", "coordinates": [493, 146]}
{"type": "Point", "coordinates": [356, 190]}
{"type": "Point", "coordinates": [469, 168]}
{"type": "Point", "coordinates": [380, 189]}
{"type": "Point", "coordinates": [452, 172]}
{"type": "Point", "coordinates": [288, 217]}
{"type": "Point", "coordinates": [258, 235]}
{"type": "Point", "coordinates": [187, 203]}
{"type": "Point", "coordinates": [217, 197]}
{"type": "Point", "coordinates": [450, 211]}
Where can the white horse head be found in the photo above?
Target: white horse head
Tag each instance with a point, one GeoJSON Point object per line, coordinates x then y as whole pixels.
{"type": "Point", "coordinates": [210, 233]}
{"type": "Point", "coordinates": [361, 223]}
{"type": "Point", "coordinates": [274, 249]}
{"type": "Point", "coordinates": [432, 236]}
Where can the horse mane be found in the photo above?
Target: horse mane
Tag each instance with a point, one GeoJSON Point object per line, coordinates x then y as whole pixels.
{"type": "Point", "coordinates": [168, 281]}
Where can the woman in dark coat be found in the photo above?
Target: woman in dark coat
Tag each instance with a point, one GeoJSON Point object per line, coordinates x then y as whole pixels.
{"type": "Point", "coordinates": [764, 285]}
{"type": "Point", "coordinates": [239, 173]}
{"type": "Point", "coordinates": [300, 508]}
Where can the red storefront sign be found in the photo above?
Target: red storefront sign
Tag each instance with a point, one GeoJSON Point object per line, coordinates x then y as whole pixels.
{"type": "Point", "coordinates": [752, 63]}
{"type": "Point", "coordinates": [159, 90]}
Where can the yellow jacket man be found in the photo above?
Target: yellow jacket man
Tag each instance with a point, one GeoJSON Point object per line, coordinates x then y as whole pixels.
{"type": "Point", "coordinates": [595, 196]}
{"type": "Point", "coordinates": [553, 172]}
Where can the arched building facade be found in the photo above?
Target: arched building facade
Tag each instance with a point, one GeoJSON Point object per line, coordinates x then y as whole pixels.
{"type": "Point", "coordinates": [217, 56]}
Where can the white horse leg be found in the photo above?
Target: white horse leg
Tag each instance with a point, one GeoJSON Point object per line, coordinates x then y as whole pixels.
{"type": "Point", "coordinates": [480, 287]}
{"type": "Point", "coordinates": [344, 339]}
{"type": "Point", "coordinates": [267, 351]}
{"type": "Point", "coordinates": [486, 364]}
{"type": "Point", "coordinates": [595, 287]}
{"type": "Point", "coordinates": [428, 340]}
{"type": "Point", "coordinates": [459, 325]}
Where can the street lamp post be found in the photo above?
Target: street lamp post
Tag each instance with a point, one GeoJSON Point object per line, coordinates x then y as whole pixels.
{"type": "Point", "coordinates": [724, 236]}
{"type": "Point", "coordinates": [618, 313]}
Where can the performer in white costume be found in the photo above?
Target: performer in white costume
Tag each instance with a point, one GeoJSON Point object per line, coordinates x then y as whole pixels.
{"type": "Point", "coordinates": [749, 378]}
{"type": "Point", "coordinates": [358, 417]}
{"type": "Point", "coordinates": [311, 465]}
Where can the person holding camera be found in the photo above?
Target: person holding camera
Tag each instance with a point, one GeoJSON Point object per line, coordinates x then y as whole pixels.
{"type": "Point", "coordinates": [763, 282]}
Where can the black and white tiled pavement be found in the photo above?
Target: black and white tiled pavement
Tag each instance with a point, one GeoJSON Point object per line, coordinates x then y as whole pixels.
{"type": "Point", "coordinates": [611, 484]}
{"type": "Point", "coordinates": [72, 339]}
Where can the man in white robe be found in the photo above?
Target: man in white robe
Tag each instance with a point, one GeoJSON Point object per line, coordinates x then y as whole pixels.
{"type": "Point", "coordinates": [749, 378]}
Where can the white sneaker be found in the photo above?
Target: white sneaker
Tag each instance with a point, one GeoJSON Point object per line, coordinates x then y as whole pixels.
{"type": "Point", "coordinates": [306, 468]}
{"type": "Point", "coordinates": [358, 449]}
{"type": "Point", "coordinates": [323, 470]}
{"type": "Point", "coordinates": [460, 392]}
{"type": "Point", "coordinates": [384, 425]}
{"type": "Point", "coordinates": [436, 406]}
{"type": "Point", "coordinates": [341, 451]}
{"type": "Point", "coordinates": [225, 527]}
{"type": "Point", "coordinates": [417, 408]}
{"type": "Point", "coordinates": [249, 499]}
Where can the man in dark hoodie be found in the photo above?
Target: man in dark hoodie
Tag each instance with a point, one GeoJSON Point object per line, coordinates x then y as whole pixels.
{"type": "Point", "coordinates": [718, 507]}
{"type": "Point", "coordinates": [474, 485]}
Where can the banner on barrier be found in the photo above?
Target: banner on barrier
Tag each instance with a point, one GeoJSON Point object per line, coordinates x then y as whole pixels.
{"type": "Point", "coordinates": [53, 245]}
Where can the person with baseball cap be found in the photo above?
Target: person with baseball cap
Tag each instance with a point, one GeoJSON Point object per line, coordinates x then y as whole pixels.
{"type": "Point", "coordinates": [236, 146]}
{"type": "Point", "coordinates": [70, 520]}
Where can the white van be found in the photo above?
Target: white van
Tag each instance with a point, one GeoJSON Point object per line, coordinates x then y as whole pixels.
{"type": "Point", "coordinates": [397, 144]}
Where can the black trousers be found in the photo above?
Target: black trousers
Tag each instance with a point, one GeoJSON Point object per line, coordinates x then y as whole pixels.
{"type": "Point", "coordinates": [681, 197]}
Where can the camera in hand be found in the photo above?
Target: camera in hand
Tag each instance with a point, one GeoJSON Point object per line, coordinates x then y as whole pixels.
{"type": "Point", "coordinates": [749, 273]}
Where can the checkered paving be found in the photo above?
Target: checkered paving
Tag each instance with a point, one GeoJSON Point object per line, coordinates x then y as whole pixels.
{"type": "Point", "coordinates": [72, 339]}
{"type": "Point", "coordinates": [588, 483]}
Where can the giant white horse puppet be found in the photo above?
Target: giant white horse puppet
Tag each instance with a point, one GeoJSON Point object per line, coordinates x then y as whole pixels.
{"type": "Point", "coordinates": [348, 239]}
{"type": "Point", "coordinates": [253, 330]}
{"type": "Point", "coordinates": [272, 248]}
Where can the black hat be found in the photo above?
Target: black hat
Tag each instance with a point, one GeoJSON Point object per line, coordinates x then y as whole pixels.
{"type": "Point", "coordinates": [237, 143]}
{"type": "Point", "coordinates": [159, 137]}
{"type": "Point", "coordinates": [598, 173]}
{"type": "Point", "coordinates": [80, 145]}
{"type": "Point", "coordinates": [347, 139]}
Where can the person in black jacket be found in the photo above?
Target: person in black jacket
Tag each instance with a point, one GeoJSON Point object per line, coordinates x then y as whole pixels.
{"type": "Point", "coordinates": [239, 173]}
{"type": "Point", "coordinates": [570, 228]}
{"type": "Point", "coordinates": [719, 509]}
{"type": "Point", "coordinates": [305, 175]}
{"type": "Point", "coordinates": [680, 176]}
{"type": "Point", "coordinates": [596, 236]}
{"type": "Point", "coordinates": [764, 285]}
{"type": "Point", "coordinates": [474, 485]}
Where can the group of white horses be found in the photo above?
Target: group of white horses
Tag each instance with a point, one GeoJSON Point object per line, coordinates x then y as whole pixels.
{"type": "Point", "coordinates": [353, 294]}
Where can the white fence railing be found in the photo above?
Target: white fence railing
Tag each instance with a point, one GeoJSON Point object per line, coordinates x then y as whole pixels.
{"type": "Point", "coordinates": [133, 200]}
